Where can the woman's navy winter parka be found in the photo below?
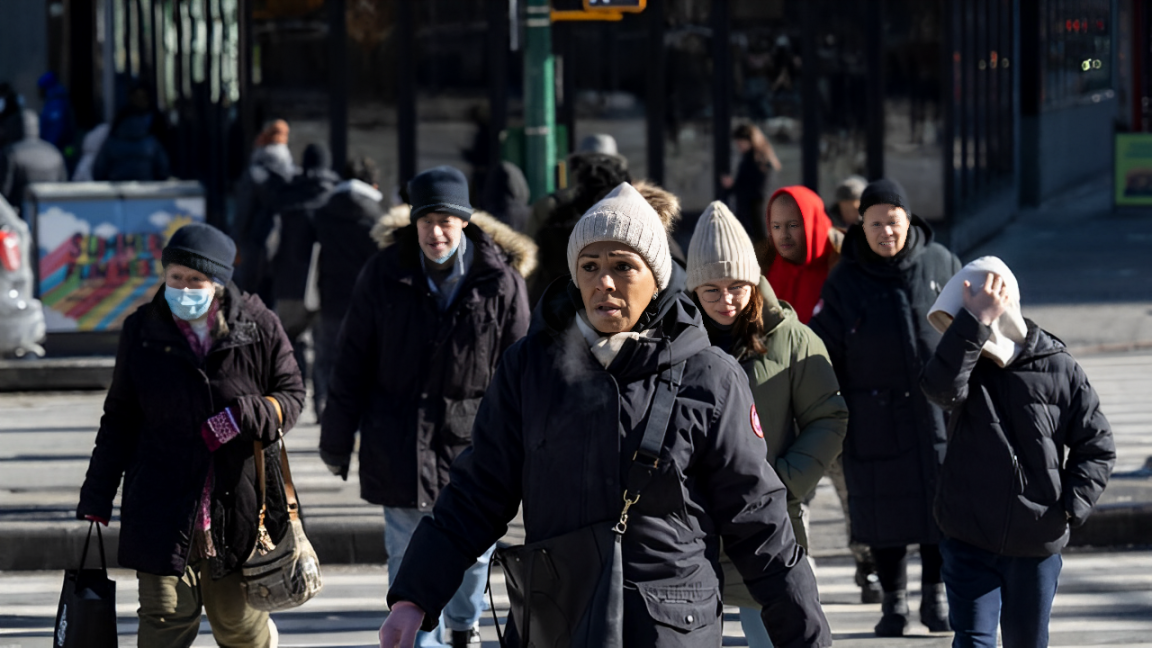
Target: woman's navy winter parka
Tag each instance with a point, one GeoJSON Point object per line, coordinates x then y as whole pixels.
{"type": "Point", "coordinates": [557, 432]}
{"type": "Point", "coordinates": [1029, 451]}
{"type": "Point", "coordinates": [873, 317]}
{"type": "Point", "coordinates": [161, 396]}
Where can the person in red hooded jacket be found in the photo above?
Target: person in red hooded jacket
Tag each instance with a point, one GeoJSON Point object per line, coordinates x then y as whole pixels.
{"type": "Point", "coordinates": [806, 246]}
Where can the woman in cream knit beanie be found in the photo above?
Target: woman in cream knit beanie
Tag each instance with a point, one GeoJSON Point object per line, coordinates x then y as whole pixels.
{"type": "Point", "coordinates": [799, 411]}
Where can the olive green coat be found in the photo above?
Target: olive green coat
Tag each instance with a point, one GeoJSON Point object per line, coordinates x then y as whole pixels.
{"type": "Point", "coordinates": [801, 412]}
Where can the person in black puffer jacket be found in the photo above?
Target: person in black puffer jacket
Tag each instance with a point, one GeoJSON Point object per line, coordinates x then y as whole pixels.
{"type": "Point", "coordinates": [556, 434]}
{"type": "Point", "coordinates": [295, 208]}
{"type": "Point", "coordinates": [1029, 453]}
{"type": "Point", "coordinates": [872, 317]}
{"type": "Point", "coordinates": [343, 227]}
{"type": "Point", "coordinates": [202, 373]}
{"type": "Point", "coordinates": [131, 152]}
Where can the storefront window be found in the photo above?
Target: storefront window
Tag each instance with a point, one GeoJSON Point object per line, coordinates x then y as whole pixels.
{"type": "Point", "coordinates": [1076, 49]}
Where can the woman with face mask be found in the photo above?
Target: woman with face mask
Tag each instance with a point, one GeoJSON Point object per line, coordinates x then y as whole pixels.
{"type": "Point", "coordinates": [560, 432]}
{"type": "Point", "coordinates": [802, 415]}
{"type": "Point", "coordinates": [873, 317]}
{"type": "Point", "coordinates": [202, 372]}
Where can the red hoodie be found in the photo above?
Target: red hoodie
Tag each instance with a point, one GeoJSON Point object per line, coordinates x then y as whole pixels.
{"type": "Point", "coordinates": [800, 285]}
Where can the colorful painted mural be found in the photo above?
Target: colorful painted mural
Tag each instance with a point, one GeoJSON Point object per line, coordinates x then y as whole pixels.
{"type": "Point", "coordinates": [99, 259]}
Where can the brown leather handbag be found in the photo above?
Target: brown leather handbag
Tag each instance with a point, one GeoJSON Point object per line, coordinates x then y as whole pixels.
{"type": "Point", "coordinates": [284, 574]}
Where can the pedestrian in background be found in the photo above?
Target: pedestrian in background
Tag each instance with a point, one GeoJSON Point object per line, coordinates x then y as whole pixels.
{"type": "Point", "coordinates": [11, 116]}
{"type": "Point", "coordinates": [845, 211]}
{"type": "Point", "coordinates": [592, 176]}
{"type": "Point", "coordinates": [749, 189]}
{"type": "Point", "coordinates": [1028, 454]}
{"type": "Point", "coordinates": [93, 141]}
{"type": "Point", "coordinates": [805, 248]}
{"type": "Point", "coordinates": [202, 372]}
{"type": "Point", "coordinates": [429, 319]}
{"type": "Point", "coordinates": [132, 151]}
{"type": "Point", "coordinates": [292, 263]}
{"type": "Point", "coordinates": [29, 160]}
{"type": "Point", "coordinates": [57, 120]}
{"type": "Point", "coordinates": [802, 415]}
{"type": "Point", "coordinates": [343, 227]}
{"type": "Point", "coordinates": [873, 317]}
{"type": "Point", "coordinates": [557, 432]}
{"type": "Point", "coordinates": [506, 196]}
{"type": "Point", "coordinates": [269, 170]}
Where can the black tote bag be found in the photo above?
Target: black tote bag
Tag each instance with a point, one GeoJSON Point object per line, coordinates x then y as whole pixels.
{"type": "Point", "coordinates": [86, 615]}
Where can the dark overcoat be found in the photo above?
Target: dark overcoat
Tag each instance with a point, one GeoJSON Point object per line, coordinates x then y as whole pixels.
{"type": "Point", "coordinates": [150, 434]}
{"type": "Point", "coordinates": [873, 317]}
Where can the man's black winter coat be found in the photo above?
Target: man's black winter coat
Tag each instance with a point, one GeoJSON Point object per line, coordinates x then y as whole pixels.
{"type": "Point", "coordinates": [1028, 449]}
{"type": "Point", "coordinates": [161, 396]}
{"type": "Point", "coordinates": [873, 317]}
{"type": "Point", "coordinates": [557, 433]}
{"type": "Point", "coordinates": [410, 377]}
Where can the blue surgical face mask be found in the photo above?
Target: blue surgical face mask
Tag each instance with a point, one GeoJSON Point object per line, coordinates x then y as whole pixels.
{"type": "Point", "coordinates": [447, 255]}
{"type": "Point", "coordinates": [189, 304]}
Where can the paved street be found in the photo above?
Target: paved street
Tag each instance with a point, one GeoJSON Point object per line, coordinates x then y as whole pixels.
{"type": "Point", "coordinates": [1104, 600]}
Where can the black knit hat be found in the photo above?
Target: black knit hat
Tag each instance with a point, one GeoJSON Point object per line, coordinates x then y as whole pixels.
{"type": "Point", "coordinates": [203, 248]}
{"type": "Point", "coordinates": [442, 189]}
{"type": "Point", "coordinates": [884, 192]}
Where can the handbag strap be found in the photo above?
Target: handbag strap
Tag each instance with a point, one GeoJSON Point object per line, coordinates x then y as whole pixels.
{"type": "Point", "coordinates": [100, 539]}
{"type": "Point", "coordinates": [262, 480]}
{"type": "Point", "coordinates": [647, 458]}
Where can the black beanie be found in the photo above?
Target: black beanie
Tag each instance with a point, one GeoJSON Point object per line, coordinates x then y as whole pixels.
{"type": "Point", "coordinates": [316, 157]}
{"type": "Point", "coordinates": [442, 189]}
{"type": "Point", "coordinates": [884, 192]}
{"type": "Point", "coordinates": [203, 248]}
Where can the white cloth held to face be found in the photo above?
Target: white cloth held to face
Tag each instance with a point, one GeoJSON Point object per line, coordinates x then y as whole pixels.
{"type": "Point", "coordinates": [1008, 331]}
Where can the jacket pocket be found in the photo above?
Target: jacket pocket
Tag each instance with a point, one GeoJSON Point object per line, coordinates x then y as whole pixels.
{"type": "Point", "coordinates": [459, 415]}
{"type": "Point", "coordinates": [684, 607]}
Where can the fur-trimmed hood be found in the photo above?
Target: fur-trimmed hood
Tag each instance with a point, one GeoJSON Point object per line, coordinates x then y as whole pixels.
{"type": "Point", "coordinates": [520, 249]}
{"type": "Point", "coordinates": [666, 204]}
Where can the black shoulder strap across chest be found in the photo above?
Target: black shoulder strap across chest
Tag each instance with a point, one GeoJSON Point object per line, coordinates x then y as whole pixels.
{"type": "Point", "coordinates": [647, 458]}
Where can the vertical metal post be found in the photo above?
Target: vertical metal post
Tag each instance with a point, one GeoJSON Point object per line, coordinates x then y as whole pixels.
{"type": "Point", "coordinates": [721, 93]}
{"type": "Point", "coordinates": [539, 100]}
{"type": "Point", "coordinates": [810, 98]}
{"type": "Point", "coordinates": [244, 74]}
{"type": "Point", "coordinates": [337, 83]}
{"type": "Point", "coordinates": [498, 28]}
{"type": "Point", "coordinates": [109, 62]}
{"type": "Point", "coordinates": [874, 96]}
{"type": "Point", "coordinates": [406, 91]}
{"type": "Point", "coordinates": [564, 36]}
{"type": "Point", "coordinates": [949, 91]}
{"type": "Point", "coordinates": [656, 91]}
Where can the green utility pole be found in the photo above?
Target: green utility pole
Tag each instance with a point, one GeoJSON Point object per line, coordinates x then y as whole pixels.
{"type": "Point", "coordinates": [539, 99]}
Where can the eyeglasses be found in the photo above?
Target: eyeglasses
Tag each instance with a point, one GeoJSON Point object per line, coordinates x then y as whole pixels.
{"type": "Point", "coordinates": [713, 295]}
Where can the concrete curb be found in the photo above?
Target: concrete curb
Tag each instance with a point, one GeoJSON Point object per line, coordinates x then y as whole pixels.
{"type": "Point", "coordinates": [29, 546]}
{"type": "Point", "coordinates": [56, 374]}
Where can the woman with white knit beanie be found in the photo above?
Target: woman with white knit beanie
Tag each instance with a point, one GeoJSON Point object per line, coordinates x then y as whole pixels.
{"type": "Point", "coordinates": [802, 416]}
{"type": "Point", "coordinates": [617, 355]}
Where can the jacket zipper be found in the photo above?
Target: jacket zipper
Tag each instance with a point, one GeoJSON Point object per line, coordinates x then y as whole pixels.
{"type": "Point", "coordinates": [1017, 478]}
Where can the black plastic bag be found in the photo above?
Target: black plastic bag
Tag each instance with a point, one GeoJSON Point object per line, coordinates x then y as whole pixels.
{"type": "Point", "coordinates": [86, 615]}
